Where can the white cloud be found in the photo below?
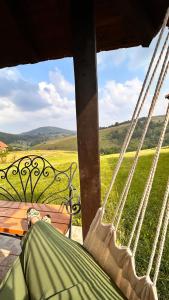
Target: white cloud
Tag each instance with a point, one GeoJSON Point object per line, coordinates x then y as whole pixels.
{"type": "Point", "coordinates": [26, 105]}
{"type": "Point", "coordinates": [117, 100]}
{"type": "Point", "coordinates": [135, 58]}
{"type": "Point", "coordinates": [10, 74]}
{"type": "Point", "coordinates": [63, 86]}
{"type": "Point", "coordinates": [23, 94]}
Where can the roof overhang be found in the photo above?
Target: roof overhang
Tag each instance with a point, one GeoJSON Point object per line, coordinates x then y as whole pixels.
{"type": "Point", "coordinates": [37, 30]}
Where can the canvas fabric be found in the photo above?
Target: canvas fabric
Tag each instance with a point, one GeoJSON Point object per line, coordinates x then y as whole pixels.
{"type": "Point", "coordinates": [117, 261]}
{"type": "Point", "coordinates": [57, 268]}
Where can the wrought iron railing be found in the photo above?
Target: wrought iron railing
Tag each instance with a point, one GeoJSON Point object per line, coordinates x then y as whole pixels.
{"type": "Point", "coordinates": [33, 178]}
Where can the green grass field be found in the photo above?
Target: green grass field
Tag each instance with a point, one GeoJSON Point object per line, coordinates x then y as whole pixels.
{"type": "Point", "coordinates": [61, 159]}
{"type": "Point", "coordinates": [112, 137]}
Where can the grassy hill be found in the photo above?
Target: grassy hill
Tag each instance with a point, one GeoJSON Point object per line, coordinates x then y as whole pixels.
{"type": "Point", "coordinates": [66, 143]}
{"type": "Point", "coordinates": [62, 159]}
{"type": "Point", "coordinates": [111, 138]}
{"type": "Point", "coordinates": [28, 139]}
{"type": "Point", "coordinates": [48, 131]}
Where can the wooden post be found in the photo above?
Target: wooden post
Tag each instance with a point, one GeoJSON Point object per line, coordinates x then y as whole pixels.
{"type": "Point", "coordinates": [85, 69]}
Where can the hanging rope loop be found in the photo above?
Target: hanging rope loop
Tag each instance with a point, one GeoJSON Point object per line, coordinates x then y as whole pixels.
{"type": "Point", "coordinates": [139, 105]}
{"type": "Point", "coordinates": [160, 221]}
{"type": "Point", "coordinates": [124, 194]}
{"type": "Point", "coordinates": [163, 56]}
{"type": "Point", "coordinates": [162, 241]}
{"type": "Point", "coordinates": [119, 261]}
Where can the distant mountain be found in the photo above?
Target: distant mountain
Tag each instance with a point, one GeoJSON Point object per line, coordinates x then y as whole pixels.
{"type": "Point", "coordinates": [112, 137]}
{"type": "Point", "coordinates": [28, 139]}
{"type": "Point", "coordinates": [48, 131]}
{"type": "Point", "coordinates": [9, 138]}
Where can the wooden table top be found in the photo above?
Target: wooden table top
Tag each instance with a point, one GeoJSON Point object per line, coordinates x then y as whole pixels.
{"type": "Point", "coordinates": [13, 218]}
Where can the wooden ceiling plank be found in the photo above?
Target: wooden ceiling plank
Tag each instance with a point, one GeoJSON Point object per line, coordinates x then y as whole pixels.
{"type": "Point", "coordinates": [21, 20]}
{"type": "Point", "coordinates": [141, 20]}
{"type": "Point", "coordinates": [40, 30]}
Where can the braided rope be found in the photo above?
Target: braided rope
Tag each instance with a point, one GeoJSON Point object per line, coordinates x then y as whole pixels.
{"type": "Point", "coordinates": [162, 242]}
{"type": "Point", "coordinates": [164, 205]}
{"type": "Point", "coordinates": [133, 121]}
{"type": "Point", "coordinates": [152, 106]}
{"type": "Point", "coordinates": [137, 117]}
{"type": "Point", "coordinates": [149, 183]}
{"type": "Point", "coordinates": [142, 200]}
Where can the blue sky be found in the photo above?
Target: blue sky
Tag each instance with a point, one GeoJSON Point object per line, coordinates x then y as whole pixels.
{"type": "Point", "coordinates": [43, 94]}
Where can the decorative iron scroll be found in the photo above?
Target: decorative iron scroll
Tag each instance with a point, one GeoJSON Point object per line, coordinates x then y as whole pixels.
{"type": "Point", "coordinates": [32, 178]}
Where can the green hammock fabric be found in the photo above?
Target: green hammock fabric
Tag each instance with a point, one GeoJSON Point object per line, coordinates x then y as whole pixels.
{"type": "Point", "coordinates": [55, 267]}
{"type": "Point", "coordinates": [13, 287]}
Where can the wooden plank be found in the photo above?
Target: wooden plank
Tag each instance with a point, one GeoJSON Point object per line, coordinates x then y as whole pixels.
{"type": "Point", "coordinates": [13, 226]}
{"type": "Point", "coordinates": [20, 227]}
{"type": "Point", "coordinates": [56, 218]}
{"type": "Point", "coordinates": [86, 108]}
{"type": "Point", "coordinates": [9, 204]}
{"type": "Point", "coordinates": [63, 228]}
{"type": "Point", "coordinates": [21, 214]}
{"type": "Point", "coordinates": [13, 216]}
{"type": "Point", "coordinates": [38, 206]}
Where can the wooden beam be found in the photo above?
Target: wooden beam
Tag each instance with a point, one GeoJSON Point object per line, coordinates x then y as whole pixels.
{"type": "Point", "coordinates": [86, 108]}
{"type": "Point", "coordinates": [17, 12]}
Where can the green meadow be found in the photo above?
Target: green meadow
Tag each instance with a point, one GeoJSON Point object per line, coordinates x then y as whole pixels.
{"type": "Point", "coordinates": [61, 160]}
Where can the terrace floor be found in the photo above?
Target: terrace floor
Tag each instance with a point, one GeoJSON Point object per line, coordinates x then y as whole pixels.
{"type": "Point", "coordinates": [10, 249]}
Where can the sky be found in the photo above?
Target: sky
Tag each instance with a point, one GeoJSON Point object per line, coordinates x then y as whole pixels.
{"type": "Point", "coordinates": [43, 94]}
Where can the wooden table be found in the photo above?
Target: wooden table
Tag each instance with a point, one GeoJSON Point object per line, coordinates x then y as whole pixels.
{"type": "Point", "coordinates": [13, 216]}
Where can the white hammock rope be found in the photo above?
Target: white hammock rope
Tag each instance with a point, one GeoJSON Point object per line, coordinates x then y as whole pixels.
{"type": "Point", "coordinates": [152, 106]}
{"type": "Point", "coordinates": [149, 183]}
{"type": "Point", "coordinates": [134, 119]}
{"type": "Point", "coordinates": [159, 225]}
{"type": "Point", "coordinates": [139, 102]}
{"type": "Point", "coordinates": [138, 113]}
{"type": "Point", "coordinates": [162, 241]}
{"type": "Point", "coordinates": [142, 200]}
{"type": "Point", "coordinates": [116, 260]}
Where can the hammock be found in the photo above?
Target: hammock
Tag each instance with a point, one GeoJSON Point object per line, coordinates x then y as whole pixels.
{"type": "Point", "coordinates": [101, 241]}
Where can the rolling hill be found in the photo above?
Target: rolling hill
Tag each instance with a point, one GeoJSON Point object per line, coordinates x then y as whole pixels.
{"type": "Point", "coordinates": [66, 143]}
{"type": "Point", "coordinates": [48, 131]}
{"type": "Point", "coordinates": [28, 139]}
{"type": "Point", "coordinates": [111, 138]}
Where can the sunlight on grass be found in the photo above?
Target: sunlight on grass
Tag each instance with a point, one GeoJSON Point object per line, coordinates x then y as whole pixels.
{"type": "Point", "coordinates": [61, 159]}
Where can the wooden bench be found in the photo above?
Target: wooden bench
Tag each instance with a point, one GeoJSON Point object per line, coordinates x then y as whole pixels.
{"type": "Point", "coordinates": [31, 181]}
